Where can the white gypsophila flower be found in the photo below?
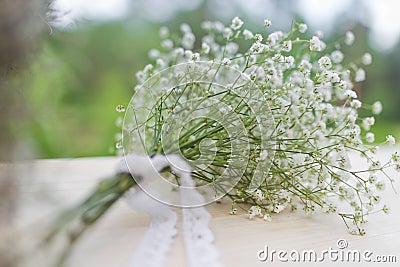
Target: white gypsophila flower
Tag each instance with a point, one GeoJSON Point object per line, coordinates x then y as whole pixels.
{"type": "Point", "coordinates": [319, 34]}
{"type": "Point", "coordinates": [206, 25]}
{"type": "Point", "coordinates": [218, 26]}
{"type": "Point", "coordinates": [185, 28]}
{"type": "Point", "coordinates": [160, 63]}
{"type": "Point", "coordinates": [259, 195]}
{"type": "Point", "coordinates": [188, 40]}
{"type": "Point", "coordinates": [256, 48]}
{"type": "Point", "coordinates": [267, 23]}
{"type": "Point", "coordinates": [287, 46]}
{"type": "Point", "coordinates": [309, 92]}
{"type": "Point", "coordinates": [164, 32]}
{"type": "Point", "coordinates": [274, 37]}
{"type": "Point", "coordinates": [237, 23]}
{"type": "Point", "coordinates": [141, 76]}
{"type": "Point", "coordinates": [396, 157]}
{"type": "Point", "coordinates": [351, 94]}
{"type": "Point", "coordinates": [167, 44]}
{"type": "Point", "coordinates": [154, 54]}
{"type": "Point", "coordinates": [195, 57]}
{"type": "Point", "coordinates": [305, 66]}
{"type": "Point", "coordinates": [226, 61]}
{"type": "Point", "coordinates": [228, 33]}
{"type": "Point", "coordinates": [231, 48]}
{"type": "Point", "coordinates": [188, 54]}
{"type": "Point", "coordinates": [258, 38]}
{"type": "Point", "coordinates": [303, 27]}
{"type": "Point", "coordinates": [355, 103]}
{"type": "Point", "coordinates": [325, 63]}
{"type": "Point", "coordinates": [368, 122]}
{"type": "Point", "coordinates": [337, 56]}
{"type": "Point", "coordinates": [397, 167]}
{"type": "Point", "coordinates": [390, 139]}
{"type": "Point", "coordinates": [316, 44]}
{"type": "Point", "coordinates": [248, 34]}
{"type": "Point", "coordinates": [377, 108]}
{"type": "Point", "coordinates": [279, 208]}
{"type": "Point", "coordinates": [205, 48]}
{"type": "Point", "coordinates": [366, 59]}
{"type": "Point", "coordinates": [370, 137]}
{"type": "Point", "coordinates": [267, 217]}
{"type": "Point", "coordinates": [349, 39]}
{"type": "Point", "coordinates": [360, 75]}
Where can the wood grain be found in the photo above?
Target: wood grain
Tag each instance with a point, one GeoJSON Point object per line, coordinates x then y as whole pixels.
{"type": "Point", "coordinates": [47, 186]}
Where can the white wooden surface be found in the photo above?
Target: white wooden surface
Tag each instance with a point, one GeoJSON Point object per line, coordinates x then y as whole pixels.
{"type": "Point", "coordinates": [46, 186]}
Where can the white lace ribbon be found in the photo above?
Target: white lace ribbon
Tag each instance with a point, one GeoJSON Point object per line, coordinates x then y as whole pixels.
{"type": "Point", "coordinates": [157, 242]}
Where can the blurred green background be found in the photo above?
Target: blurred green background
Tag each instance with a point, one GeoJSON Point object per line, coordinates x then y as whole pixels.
{"type": "Point", "coordinates": [82, 71]}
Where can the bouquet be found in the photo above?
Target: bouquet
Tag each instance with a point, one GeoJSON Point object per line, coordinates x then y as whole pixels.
{"type": "Point", "coordinates": [268, 120]}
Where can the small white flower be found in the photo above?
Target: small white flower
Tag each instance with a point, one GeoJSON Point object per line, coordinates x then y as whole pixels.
{"type": "Point", "coordinates": [205, 48]}
{"type": "Point", "coordinates": [188, 40]}
{"type": "Point", "coordinates": [254, 211]}
{"type": "Point", "coordinates": [356, 104]}
{"type": "Point", "coordinates": [350, 94]}
{"type": "Point", "coordinates": [289, 62]}
{"type": "Point", "coordinates": [167, 44]}
{"type": "Point", "coordinates": [325, 63]}
{"type": "Point", "coordinates": [154, 53]}
{"type": "Point", "coordinates": [303, 27]}
{"type": "Point", "coordinates": [396, 157]}
{"type": "Point", "coordinates": [386, 209]}
{"type": "Point", "coordinates": [256, 48]}
{"type": "Point", "coordinates": [360, 75]}
{"type": "Point", "coordinates": [248, 34]}
{"type": "Point", "coordinates": [160, 63]}
{"type": "Point", "coordinates": [370, 137]}
{"type": "Point", "coordinates": [287, 46]}
{"type": "Point", "coordinates": [368, 122]}
{"type": "Point", "coordinates": [377, 108]}
{"type": "Point", "coordinates": [390, 139]}
{"type": "Point", "coordinates": [164, 32]}
{"type": "Point", "coordinates": [278, 208]}
{"type": "Point", "coordinates": [206, 25]}
{"type": "Point", "coordinates": [195, 57]}
{"type": "Point", "coordinates": [366, 59]}
{"type": "Point", "coordinates": [233, 211]}
{"type": "Point", "coordinates": [185, 28]}
{"type": "Point", "coordinates": [337, 56]}
{"type": "Point", "coordinates": [349, 39]}
{"type": "Point", "coordinates": [188, 54]}
{"type": "Point", "coordinates": [140, 76]}
{"type": "Point", "coordinates": [305, 66]}
{"type": "Point", "coordinates": [267, 217]}
{"type": "Point", "coordinates": [397, 167]}
{"type": "Point", "coordinates": [267, 23]}
{"type": "Point", "coordinates": [226, 61]}
{"type": "Point", "coordinates": [179, 51]}
{"type": "Point", "coordinates": [316, 44]}
{"type": "Point", "coordinates": [228, 33]}
{"type": "Point", "coordinates": [259, 195]}
{"type": "Point", "coordinates": [258, 38]}
{"type": "Point", "coordinates": [237, 23]}
{"type": "Point", "coordinates": [319, 34]}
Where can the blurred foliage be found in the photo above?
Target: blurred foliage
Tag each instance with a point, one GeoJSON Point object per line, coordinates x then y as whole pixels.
{"type": "Point", "coordinates": [81, 75]}
{"type": "Point", "coordinates": [76, 82]}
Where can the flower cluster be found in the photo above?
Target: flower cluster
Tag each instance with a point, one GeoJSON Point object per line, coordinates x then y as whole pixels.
{"type": "Point", "coordinates": [308, 86]}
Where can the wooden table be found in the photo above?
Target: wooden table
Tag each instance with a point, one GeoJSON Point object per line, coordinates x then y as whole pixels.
{"type": "Point", "coordinates": [46, 186]}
